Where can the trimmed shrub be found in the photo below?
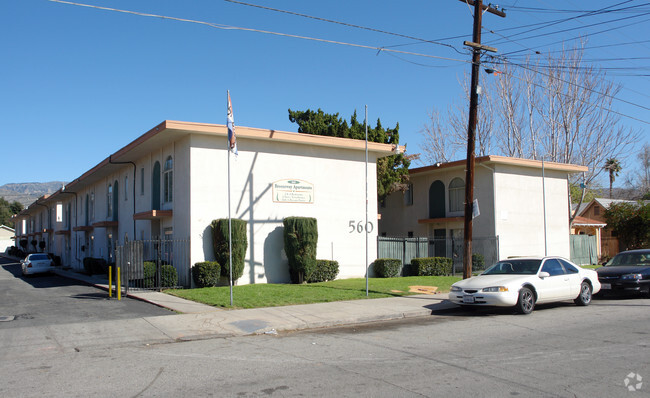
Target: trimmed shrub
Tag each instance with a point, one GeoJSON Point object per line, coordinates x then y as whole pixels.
{"type": "Point", "coordinates": [206, 273]}
{"type": "Point", "coordinates": [326, 270]}
{"type": "Point", "coordinates": [432, 266]}
{"type": "Point", "coordinates": [478, 261]}
{"type": "Point", "coordinates": [300, 239]}
{"type": "Point", "coordinates": [220, 244]}
{"type": "Point", "coordinates": [168, 274]}
{"type": "Point", "coordinates": [387, 267]}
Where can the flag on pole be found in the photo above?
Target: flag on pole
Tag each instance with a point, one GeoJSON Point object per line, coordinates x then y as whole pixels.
{"type": "Point", "coordinates": [232, 139]}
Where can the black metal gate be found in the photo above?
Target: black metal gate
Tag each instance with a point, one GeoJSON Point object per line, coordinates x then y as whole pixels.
{"type": "Point", "coordinates": [154, 264]}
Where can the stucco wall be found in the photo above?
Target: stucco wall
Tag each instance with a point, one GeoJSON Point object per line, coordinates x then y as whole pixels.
{"type": "Point", "coordinates": [339, 197]}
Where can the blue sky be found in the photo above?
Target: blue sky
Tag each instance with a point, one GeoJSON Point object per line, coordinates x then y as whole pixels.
{"type": "Point", "coordinates": [77, 84]}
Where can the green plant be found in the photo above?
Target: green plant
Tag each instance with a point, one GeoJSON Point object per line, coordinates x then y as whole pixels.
{"type": "Point", "coordinates": [206, 273]}
{"type": "Point", "coordinates": [300, 239]}
{"type": "Point", "coordinates": [326, 270]}
{"type": "Point", "coordinates": [220, 244]}
{"type": "Point", "coordinates": [631, 223]}
{"type": "Point", "coordinates": [387, 267]}
{"type": "Point", "coordinates": [478, 261]}
{"type": "Point", "coordinates": [432, 266]}
{"type": "Point", "coordinates": [168, 275]}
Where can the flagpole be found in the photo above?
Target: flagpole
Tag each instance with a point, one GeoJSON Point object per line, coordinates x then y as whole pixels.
{"type": "Point", "coordinates": [229, 218]}
{"type": "Point", "coordinates": [366, 226]}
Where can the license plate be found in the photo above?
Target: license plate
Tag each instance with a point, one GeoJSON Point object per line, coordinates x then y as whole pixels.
{"type": "Point", "coordinates": [468, 299]}
{"type": "Point", "coordinates": [605, 286]}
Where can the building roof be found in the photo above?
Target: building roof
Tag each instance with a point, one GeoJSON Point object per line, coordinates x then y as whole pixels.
{"type": "Point", "coordinates": [587, 222]}
{"type": "Point", "coordinates": [503, 160]}
{"type": "Point", "coordinates": [6, 228]}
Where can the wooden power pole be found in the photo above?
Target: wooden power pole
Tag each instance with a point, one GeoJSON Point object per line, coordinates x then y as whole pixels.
{"type": "Point", "coordinates": [479, 8]}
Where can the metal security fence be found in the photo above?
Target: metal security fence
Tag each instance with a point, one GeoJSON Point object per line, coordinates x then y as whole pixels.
{"type": "Point", "coordinates": [150, 264]}
{"type": "Point", "coordinates": [485, 251]}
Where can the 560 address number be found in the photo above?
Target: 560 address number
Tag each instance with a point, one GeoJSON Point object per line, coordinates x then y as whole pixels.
{"type": "Point", "coordinates": [357, 226]}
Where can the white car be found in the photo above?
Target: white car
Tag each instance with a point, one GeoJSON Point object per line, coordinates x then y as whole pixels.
{"type": "Point", "coordinates": [37, 263]}
{"type": "Point", "coordinates": [524, 282]}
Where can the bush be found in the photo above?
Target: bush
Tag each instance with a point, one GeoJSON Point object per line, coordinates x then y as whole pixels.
{"type": "Point", "coordinates": [387, 267]}
{"type": "Point", "coordinates": [478, 261]}
{"type": "Point", "coordinates": [326, 270]}
{"type": "Point", "coordinates": [300, 240]}
{"type": "Point", "coordinates": [432, 266]}
{"type": "Point", "coordinates": [169, 276]}
{"type": "Point", "coordinates": [206, 273]}
{"type": "Point", "coordinates": [220, 239]}
{"type": "Point", "coordinates": [94, 266]}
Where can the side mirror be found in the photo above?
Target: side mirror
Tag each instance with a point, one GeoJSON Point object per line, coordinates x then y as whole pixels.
{"type": "Point", "coordinates": [544, 274]}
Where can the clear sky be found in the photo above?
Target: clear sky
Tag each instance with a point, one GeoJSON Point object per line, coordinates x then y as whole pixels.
{"type": "Point", "coordinates": [77, 83]}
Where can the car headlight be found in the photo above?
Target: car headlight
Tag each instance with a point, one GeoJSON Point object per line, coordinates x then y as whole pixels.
{"type": "Point", "coordinates": [495, 289]}
{"type": "Point", "coordinates": [456, 289]}
{"type": "Point", "coordinates": [632, 276]}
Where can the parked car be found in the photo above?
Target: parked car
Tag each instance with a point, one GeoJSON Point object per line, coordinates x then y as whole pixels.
{"type": "Point", "coordinates": [524, 282]}
{"type": "Point", "coordinates": [37, 263]}
{"type": "Point", "coordinates": [627, 272]}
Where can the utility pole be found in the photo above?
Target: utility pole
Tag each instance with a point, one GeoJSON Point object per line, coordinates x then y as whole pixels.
{"type": "Point", "coordinates": [479, 8]}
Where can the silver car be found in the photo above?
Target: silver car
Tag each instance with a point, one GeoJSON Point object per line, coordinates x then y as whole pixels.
{"type": "Point", "coordinates": [37, 263]}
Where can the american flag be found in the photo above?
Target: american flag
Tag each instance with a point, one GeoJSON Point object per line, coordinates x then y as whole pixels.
{"type": "Point", "coordinates": [232, 138]}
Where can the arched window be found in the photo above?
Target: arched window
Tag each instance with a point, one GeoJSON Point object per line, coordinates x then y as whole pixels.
{"type": "Point", "coordinates": [168, 180]}
{"type": "Point", "coordinates": [109, 202]}
{"type": "Point", "coordinates": [437, 199]}
{"type": "Point", "coordinates": [456, 195]}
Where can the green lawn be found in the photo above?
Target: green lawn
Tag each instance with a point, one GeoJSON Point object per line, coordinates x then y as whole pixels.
{"type": "Point", "coordinates": [274, 295]}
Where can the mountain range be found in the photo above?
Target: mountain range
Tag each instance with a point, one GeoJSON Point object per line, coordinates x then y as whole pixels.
{"type": "Point", "coordinates": [27, 192]}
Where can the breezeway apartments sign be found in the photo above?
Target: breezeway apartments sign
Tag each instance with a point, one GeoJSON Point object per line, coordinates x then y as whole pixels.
{"type": "Point", "coordinates": [293, 191]}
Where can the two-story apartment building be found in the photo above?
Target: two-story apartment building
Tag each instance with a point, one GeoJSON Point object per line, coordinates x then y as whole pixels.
{"type": "Point", "coordinates": [172, 182]}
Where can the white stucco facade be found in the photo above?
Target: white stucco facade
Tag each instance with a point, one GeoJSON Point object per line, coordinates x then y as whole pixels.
{"type": "Point", "coordinates": [517, 205]}
{"type": "Point", "coordinates": [173, 182]}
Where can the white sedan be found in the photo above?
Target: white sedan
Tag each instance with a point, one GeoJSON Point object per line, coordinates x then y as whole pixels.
{"type": "Point", "coordinates": [524, 282]}
{"type": "Point", "coordinates": [37, 263]}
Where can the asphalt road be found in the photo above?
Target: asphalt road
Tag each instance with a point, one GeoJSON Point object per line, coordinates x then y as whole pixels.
{"type": "Point", "coordinates": [49, 299]}
{"type": "Point", "coordinates": [558, 351]}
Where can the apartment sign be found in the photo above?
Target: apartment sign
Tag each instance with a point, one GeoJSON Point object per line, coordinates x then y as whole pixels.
{"type": "Point", "coordinates": [293, 191]}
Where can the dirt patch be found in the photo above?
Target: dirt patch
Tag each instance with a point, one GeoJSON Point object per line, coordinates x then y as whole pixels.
{"type": "Point", "coordinates": [423, 289]}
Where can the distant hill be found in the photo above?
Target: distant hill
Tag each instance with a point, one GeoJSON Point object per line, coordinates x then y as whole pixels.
{"type": "Point", "coordinates": [27, 192]}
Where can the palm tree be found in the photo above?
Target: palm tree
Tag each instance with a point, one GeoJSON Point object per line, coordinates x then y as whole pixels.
{"type": "Point", "coordinates": [613, 166]}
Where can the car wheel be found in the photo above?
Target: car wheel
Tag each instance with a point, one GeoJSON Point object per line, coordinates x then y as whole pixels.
{"type": "Point", "coordinates": [584, 298]}
{"type": "Point", "coordinates": [526, 302]}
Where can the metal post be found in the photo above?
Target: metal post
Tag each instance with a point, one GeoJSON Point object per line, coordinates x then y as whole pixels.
{"type": "Point", "coordinates": [110, 281]}
{"type": "Point", "coordinates": [544, 204]}
{"type": "Point", "coordinates": [119, 285]}
{"type": "Point", "coordinates": [229, 231]}
{"type": "Point", "coordinates": [365, 228]}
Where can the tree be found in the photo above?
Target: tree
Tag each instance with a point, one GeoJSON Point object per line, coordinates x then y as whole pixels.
{"type": "Point", "coordinates": [7, 210]}
{"type": "Point", "coordinates": [613, 166]}
{"type": "Point", "coordinates": [392, 171]}
{"type": "Point", "coordinates": [558, 109]}
{"type": "Point", "coordinates": [631, 223]}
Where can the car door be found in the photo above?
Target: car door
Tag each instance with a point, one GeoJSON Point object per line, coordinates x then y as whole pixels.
{"type": "Point", "coordinates": [574, 279]}
{"type": "Point", "coordinates": [554, 287]}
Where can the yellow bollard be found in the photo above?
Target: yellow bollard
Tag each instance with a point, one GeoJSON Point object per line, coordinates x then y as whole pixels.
{"type": "Point", "coordinates": [119, 285]}
{"type": "Point", "coordinates": [110, 282]}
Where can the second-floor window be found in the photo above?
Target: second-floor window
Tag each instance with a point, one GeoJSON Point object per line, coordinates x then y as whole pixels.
{"type": "Point", "coordinates": [109, 202]}
{"type": "Point", "coordinates": [456, 195]}
{"type": "Point", "coordinates": [168, 180]}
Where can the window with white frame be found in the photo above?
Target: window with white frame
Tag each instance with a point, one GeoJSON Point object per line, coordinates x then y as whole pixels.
{"type": "Point", "coordinates": [408, 196]}
{"type": "Point", "coordinates": [109, 202]}
{"type": "Point", "coordinates": [168, 180]}
{"type": "Point", "coordinates": [456, 194]}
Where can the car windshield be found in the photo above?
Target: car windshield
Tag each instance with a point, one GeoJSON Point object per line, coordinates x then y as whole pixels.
{"type": "Point", "coordinates": [630, 259]}
{"type": "Point", "coordinates": [35, 257]}
{"type": "Point", "coordinates": [524, 267]}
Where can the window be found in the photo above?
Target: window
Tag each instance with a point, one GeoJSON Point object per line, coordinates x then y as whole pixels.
{"type": "Point", "coordinates": [596, 210]}
{"type": "Point", "coordinates": [456, 195]}
{"type": "Point", "coordinates": [109, 202]}
{"type": "Point", "coordinates": [142, 181]}
{"type": "Point", "coordinates": [408, 196]}
{"type": "Point", "coordinates": [570, 269]}
{"type": "Point", "coordinates": [126, 187]}
{"type": "Point", "coordinates": [553, 267]}
{"type": "Point", "coordinates": [168, 180]}
{"type": "Point", "coordinates": [92, 206]}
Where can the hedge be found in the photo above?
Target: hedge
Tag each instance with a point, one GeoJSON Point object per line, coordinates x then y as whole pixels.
{"type": "Point", "coordinates": [206, 273]}
{"type": "Point", "coordinates": [220, 239]}
{"type": "Point", "coordinates": [300, 240]}
{"type": "Point", "coordinates": [387, 267]}
{"type": "Point", "coordinates": [432, 266]}
{"type": "Point", "coordinates": [169, 276]}
{"type": "Point", "coordinates": [326, 270]}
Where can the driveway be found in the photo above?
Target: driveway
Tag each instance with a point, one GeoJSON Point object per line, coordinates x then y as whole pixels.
{"type": "Point", "coordinates": [42, 300]}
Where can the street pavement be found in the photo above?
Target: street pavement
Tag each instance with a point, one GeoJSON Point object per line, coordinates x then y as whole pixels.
{"type": "Point", "coordinates": [198, 321]}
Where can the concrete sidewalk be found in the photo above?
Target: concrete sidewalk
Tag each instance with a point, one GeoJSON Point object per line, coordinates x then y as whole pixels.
{"type": "Point", "coordinates": [198, 321]}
